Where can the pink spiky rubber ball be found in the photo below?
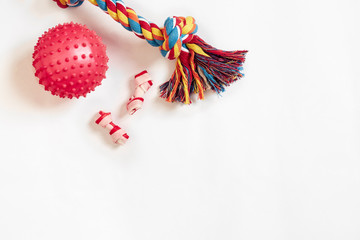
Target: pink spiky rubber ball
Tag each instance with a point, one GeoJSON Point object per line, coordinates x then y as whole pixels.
{"type": "Point", "coordinates": [70, 60]}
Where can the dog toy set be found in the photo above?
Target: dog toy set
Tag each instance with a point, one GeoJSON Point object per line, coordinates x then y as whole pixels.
{"type": "Point", "coordinates": [70, 60]}
{"type": "Point", "coordinates": [198, 65]}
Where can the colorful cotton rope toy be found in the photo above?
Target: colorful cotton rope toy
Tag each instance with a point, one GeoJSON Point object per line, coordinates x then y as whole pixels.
{"type": "Point", "coordinates": [199, 66]}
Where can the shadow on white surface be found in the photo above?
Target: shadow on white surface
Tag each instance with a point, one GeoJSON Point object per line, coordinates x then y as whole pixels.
{"type": "Point", "coordinates": [40, 7]}
{"type": "Point", "coordinates": [161, 103]}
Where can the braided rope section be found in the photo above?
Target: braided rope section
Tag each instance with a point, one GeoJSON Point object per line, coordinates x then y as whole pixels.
{"type": "Point", "coordinates": [199, 66]}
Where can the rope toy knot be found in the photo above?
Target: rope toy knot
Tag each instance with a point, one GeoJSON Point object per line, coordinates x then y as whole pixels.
{"type": "Point", "coordinates": [177, 32]}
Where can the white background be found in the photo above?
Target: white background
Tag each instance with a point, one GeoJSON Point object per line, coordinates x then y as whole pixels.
{"type": "Point", "coordinates": [276, 157]}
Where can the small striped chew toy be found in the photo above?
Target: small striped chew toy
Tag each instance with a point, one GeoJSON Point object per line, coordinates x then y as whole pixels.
{"type": "Point", "coordinates": [118, 135]}
{"type": "Point", "coordinates": [199, 66]}
{"type": "Point", "coordinates": [143, 83]}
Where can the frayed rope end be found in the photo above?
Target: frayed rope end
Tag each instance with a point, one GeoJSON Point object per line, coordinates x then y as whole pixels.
{"type": "Point", "coordinates": [201, 67]}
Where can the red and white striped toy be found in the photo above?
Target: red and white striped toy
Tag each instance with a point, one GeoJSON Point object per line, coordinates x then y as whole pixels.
{"type": "Point", "coordinates": [118, 135]}
{"type": "Point", "coordinates": [143, 83]}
